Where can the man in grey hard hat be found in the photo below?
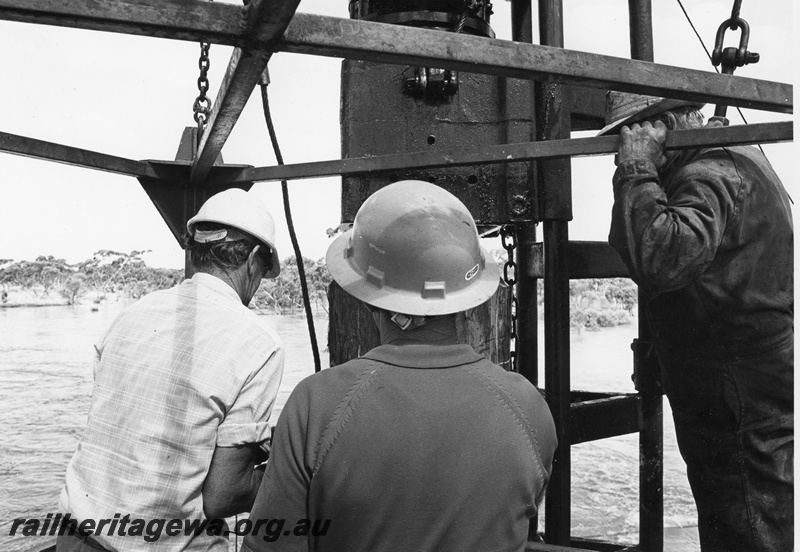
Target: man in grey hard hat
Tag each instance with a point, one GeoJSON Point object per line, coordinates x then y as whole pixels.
{"type": "Point", "coordinates": [708, 235]}
{"type": "Point", "coordinates": [185, 380]}
{"type": "Point", "coordinates": [421, 444]}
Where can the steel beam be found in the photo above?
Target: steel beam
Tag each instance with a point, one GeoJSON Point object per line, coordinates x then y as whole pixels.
{"type": "Point", "coordinates": [265, 27]}
{"type": "Point", "coordinates": [641, 31]}
{"type": "Point", "coordinates": [762, 133]}
{"type": "Point", "coordinates": [50, 151]}
{"type": "Point", "coordinates": [651, 436]}
{"type": "Point", "coordinates": [170, 173]}
{"type": "Point", "coordinates": [527, 308]}
{"type": "Point", "coordinates": [603, 416]}
{"type": "Point", "coordinates": [330, 36]}
{"type": "Point", "coordinates": [176, 19]}
{"type": "Point", "coordinates": [169, 170]}
{"type": "Point", "coordinates": [355, 39]}
{"type": "Point", "coordinates": [555, 205]}
{"type": "Point", "coordinates": [533, 547]}
{"type": "Point", "coordinates": [589, 259]}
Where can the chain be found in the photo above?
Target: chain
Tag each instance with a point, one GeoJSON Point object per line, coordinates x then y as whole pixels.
{"type": "Point", "coordinates": [509, 236]}
{"type": "Point", "coordinates": [202, 104]}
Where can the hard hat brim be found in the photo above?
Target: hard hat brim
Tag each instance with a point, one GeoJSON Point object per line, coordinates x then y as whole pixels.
{"type": "Point", "coordinates": [352, 280]}
{"type": "Point", "coordinates": [645, 113]}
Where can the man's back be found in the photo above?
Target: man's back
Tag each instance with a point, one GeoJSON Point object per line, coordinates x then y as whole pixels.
{"type": "Point", "coordinates": [413, 447]}
{"type": "Point", "coordinates": [178, 373]}
{"type": "Point", "coordinates": [715, 246]}
{"type": "Point", "coordinates": [745, 294]}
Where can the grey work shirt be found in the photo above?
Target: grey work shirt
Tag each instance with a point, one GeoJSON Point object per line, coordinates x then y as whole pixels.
{"type": "Point", "coordinates": [411, 447]}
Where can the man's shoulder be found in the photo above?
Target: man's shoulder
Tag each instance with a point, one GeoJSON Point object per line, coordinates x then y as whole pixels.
{"type": "Point", "coordinates": [737, 169]}
{"type": "Point", "coordinates": [260, 325]}
{"type": "Point", "coordinates": [513, 383]}
{"type": "Point", "coordinates": [230, 319]}
{"type": "Point", "coordinates": [341, 375]}
{"type": "Point", "coordinates": [531, 404]}
{"type": "Point", "coordinates": [723, 159]}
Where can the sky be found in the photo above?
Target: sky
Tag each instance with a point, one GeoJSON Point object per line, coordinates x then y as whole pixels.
{"type": "Point", "coordinates": [132, 97]}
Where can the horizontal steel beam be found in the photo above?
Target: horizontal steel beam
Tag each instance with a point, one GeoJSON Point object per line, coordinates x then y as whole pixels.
{"type": "Point", "coordinates": [527, 151]}
{"type": "Point", "coordinates": [265, 26]}
{"type": "Point", "coordinates": [356, 39]}
{"type": "Point", "coordinates": [176, 19]}
{"type": "Point", "coordinates": [503, 153]}
{"type": "Point", "coordinates": [585, 259]}
{"type": "Point", "coordinates": [532, 546]}
{"type": "Point", "coordinates": [604, 417]}
{"type": "Point", "coordinates": [594, 259]}
{"type": "Point", "coordinates": [50, 151]}
{"type": "Point", "coordinates": [170, 173]}
{"type": "Point", "coordinates": [353, 39]}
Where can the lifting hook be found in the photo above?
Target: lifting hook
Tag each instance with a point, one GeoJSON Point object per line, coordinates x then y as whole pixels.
{"type": "Point", "coordinates": [730, 57]}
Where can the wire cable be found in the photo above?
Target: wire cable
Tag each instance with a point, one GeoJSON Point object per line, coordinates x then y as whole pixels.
{"type": "Point", "coordinates": [301, 271]}
{"type": "Point", "coordinates": [697, 34]}
{"type": "Point", "coordinates": [737, 6]}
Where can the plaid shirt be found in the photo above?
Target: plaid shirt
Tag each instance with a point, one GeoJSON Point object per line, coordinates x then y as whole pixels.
{"type": "Point", "coordinates": [179, 373]}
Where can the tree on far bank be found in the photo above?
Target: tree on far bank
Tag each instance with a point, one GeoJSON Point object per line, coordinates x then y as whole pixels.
{"type": "Point", "coordinates": [283, 294]}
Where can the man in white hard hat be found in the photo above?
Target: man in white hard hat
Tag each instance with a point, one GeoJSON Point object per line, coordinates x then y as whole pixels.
{"type": "Point", "coordinates": [708, 234]}
{"type": "Point", "coordinates": [185, 380]}
{"type": "Point", "coordinates": [421, 444]}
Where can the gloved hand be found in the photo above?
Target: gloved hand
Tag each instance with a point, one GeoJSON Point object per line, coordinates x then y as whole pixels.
{"type": "Point", "coordinates": [643, 142]}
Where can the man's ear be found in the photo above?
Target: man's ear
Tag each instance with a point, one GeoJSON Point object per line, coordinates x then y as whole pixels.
{"type": "Point", "coordinates": [669, 119]}
{"type": "Point", "coordinates": [252, 261]}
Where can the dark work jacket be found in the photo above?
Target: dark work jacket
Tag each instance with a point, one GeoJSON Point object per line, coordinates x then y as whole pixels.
{"type": "Point", "coordinates": [713, 246]}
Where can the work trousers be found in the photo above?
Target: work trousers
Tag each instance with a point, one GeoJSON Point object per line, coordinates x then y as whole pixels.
{"type": "Point", "coordinates": [735, 427]}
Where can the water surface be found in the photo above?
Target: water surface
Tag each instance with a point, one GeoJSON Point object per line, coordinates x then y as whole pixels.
{"type": "Point", "coordinates": [46, 374]}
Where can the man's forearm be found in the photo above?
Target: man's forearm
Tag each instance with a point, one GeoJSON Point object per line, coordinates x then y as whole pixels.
{"type": "Point", "coordinates": [232, 481]}
{"type": "Point", "coordinates": [236, 499]}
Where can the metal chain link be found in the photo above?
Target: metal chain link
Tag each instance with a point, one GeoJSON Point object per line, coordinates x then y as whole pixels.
{"type": "Point", "coordinates": [509, 236]}
{"type": "Point", "coordinates": [202, 104]}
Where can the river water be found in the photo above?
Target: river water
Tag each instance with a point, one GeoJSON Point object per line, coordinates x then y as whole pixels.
{"type": "Point", "coordinates": [46, 375]}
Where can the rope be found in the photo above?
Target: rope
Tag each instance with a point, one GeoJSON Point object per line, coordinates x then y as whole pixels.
{"type": "Point", "coordinates": [736, 6]}
{"type": "Point", "coordinates": [301, 271]}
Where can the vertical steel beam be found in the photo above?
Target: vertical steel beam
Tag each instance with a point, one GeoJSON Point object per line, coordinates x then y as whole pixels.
{"type": "Point", "coordinates": [646, 368]}
{"type": "Point", "coordinates": [641, 17]}
{"type": "Point", "coordinates": [527, 345]}
{"type": "Point", "coordinates": [554, 179]}
{"type": "Point", "coordinates": [521, 21]}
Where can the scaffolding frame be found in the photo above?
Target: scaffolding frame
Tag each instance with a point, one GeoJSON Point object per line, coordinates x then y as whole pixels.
{"type": "Point", "coordinates": [263, 27]}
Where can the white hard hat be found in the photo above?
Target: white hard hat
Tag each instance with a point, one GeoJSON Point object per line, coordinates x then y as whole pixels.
{"type": "Point", "coordinates": [414, 249]}
{"type": "Point", "coordinates": [244, 211]}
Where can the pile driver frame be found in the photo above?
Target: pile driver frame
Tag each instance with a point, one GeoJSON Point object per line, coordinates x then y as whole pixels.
{"type": "Point", "coordinates": [569, 88]}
